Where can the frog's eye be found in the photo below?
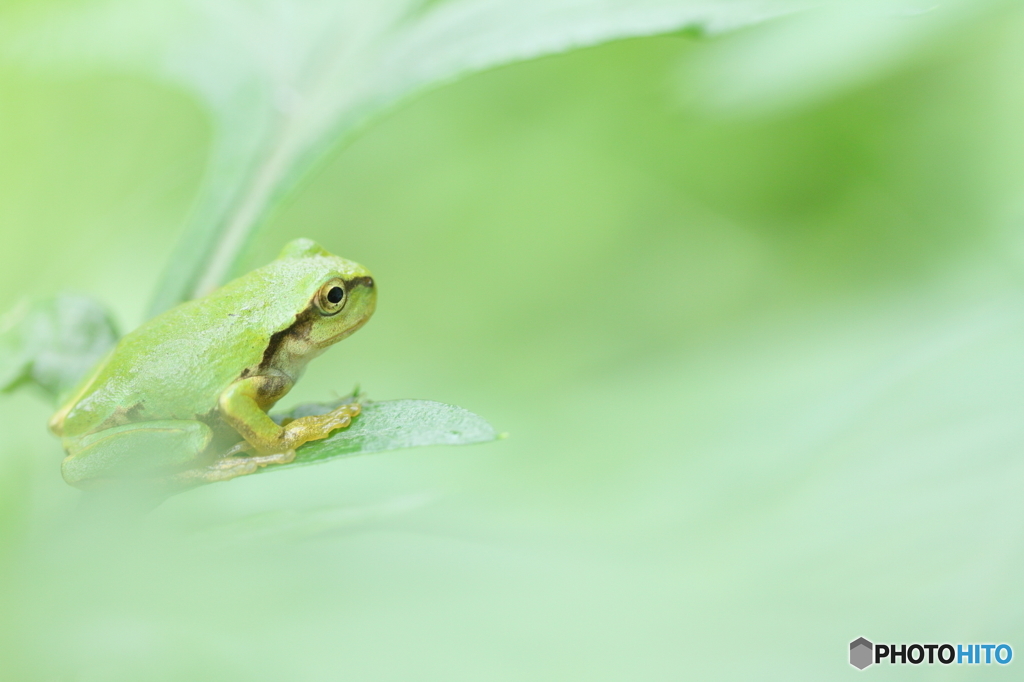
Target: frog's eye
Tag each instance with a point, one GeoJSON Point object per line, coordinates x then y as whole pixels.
{"type": "Point", "coordinates": [331, 298]}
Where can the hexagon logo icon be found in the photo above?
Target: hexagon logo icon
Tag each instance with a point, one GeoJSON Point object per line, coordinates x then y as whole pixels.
{"type": "Point", "coordinates": [861, 653]}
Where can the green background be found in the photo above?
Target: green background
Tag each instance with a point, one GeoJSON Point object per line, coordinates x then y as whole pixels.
{"type": "Point", "coordinates": [759, 346]}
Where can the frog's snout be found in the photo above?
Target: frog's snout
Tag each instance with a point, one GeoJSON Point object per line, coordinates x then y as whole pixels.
{"type": "Point", "coordinates": [363, 294]}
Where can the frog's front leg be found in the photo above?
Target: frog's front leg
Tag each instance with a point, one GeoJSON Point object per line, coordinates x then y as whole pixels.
{"type": "Point", "coordinates": [243, 406]}
{"type": "Point", "coordinates": [142, 451]}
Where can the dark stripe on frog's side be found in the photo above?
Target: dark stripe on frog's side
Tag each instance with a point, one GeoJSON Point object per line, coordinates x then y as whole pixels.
{"type": "Point", "coordinates": [134, 413]}
{"type": "Point", "coordinates": [299, 328]}
{"type": "Point", "coordinates": [122, 416]}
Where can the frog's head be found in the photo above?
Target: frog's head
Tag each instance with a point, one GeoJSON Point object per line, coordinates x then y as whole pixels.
{"type": "Point", "coordinates": [342, 294]}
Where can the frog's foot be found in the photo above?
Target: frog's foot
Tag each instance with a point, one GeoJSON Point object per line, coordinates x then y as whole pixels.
{"type": "Point", "coordinates": [229, 467]}
{"type": "Point", "coordinates": [296, 432]}
{"type": "Point", "coordinates": [317, 427]}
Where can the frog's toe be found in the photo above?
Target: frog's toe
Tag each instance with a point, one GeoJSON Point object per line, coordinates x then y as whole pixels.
{"type": "Point", "coordinates": [240, 466]}
{"type": "Point", "coordinates": [334, 423]}
{"type": "Point", "coordinates": [276, 458]}
{"type": "Point", "coordinates": [342, 416]}
{"type": "Point", "coordinates": [316, 427]}
{"type": "Point", "coordinates": [348, 409]}
{"type": "Point", "coordinates": [222, 470]}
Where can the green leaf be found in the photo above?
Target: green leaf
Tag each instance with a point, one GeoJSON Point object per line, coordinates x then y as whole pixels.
{"type": "Point", "coordinates": [286, 81]}
{"type": "Point", "coordinates": [53, 342]}
{"type": "Point", "coordinates": [389, 425]}
{"type": "Point", "coordinates": [789, 64]}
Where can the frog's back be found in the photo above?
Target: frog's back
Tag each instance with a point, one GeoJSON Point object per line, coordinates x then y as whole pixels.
{"type": "Point", "coordinates": [176, 365]}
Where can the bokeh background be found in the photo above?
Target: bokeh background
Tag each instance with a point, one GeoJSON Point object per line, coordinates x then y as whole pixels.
{"type": "Point", "coordinates": [751, 309]}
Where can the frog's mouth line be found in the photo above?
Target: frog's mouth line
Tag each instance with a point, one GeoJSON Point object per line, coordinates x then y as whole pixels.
{"type": "Point", "coordinates": [350, 331]}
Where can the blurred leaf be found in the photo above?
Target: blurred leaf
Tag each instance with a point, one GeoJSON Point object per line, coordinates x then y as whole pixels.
{"type": "Point", "coordinates": [832, 49]}
{"type": "Point", "coordinates": [295, 524]}
{"type": "Point", "coordinates": [53, 342]}
{"type": "Point", "coordinates": [389, 425]}
{"type": "Point", "coordinates": [286, 81]}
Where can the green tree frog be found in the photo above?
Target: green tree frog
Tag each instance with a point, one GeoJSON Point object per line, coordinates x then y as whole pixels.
{"type": "Point", "coordinates": [184, 397]}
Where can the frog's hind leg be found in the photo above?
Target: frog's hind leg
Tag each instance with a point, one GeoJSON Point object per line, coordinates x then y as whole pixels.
{"type": "Point", "coordinates": [229, 466]}
{"type": "Point", "coordinates": [142, 451]}
{"type": "Point", "coordinates": [296, 432]}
